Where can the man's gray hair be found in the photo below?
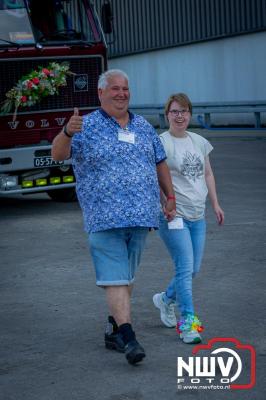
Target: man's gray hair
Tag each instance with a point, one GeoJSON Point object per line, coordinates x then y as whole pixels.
{"type": "Point", "coordinates": [105, 76]}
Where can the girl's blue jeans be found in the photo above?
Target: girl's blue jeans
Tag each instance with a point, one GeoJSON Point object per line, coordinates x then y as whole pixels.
{"type": "Point", "coordinates": [186, 247]}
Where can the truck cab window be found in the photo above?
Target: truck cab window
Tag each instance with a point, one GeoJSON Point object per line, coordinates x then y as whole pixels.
{"type": "Point", "coordinates": [59, 20]}
{"type": "Point", "coordinates": [15, 26]}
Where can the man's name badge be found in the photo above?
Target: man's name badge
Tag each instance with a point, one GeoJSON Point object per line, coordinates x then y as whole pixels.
{"type": "Point", "coordinates": [125, 135]}
{"type": "Point", "coordinates": [177, 223]}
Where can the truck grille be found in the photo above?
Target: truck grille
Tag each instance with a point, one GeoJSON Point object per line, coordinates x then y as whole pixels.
{"type": "Point", "coordinates": [91, 66]}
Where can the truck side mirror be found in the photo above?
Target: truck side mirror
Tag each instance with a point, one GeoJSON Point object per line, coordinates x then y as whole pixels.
{"type": "Point", "coordinates": [107, 17]}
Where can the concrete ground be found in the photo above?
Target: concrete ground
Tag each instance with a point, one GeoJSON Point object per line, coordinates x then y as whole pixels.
{"type": "Point", "coordinates": [52, 316]}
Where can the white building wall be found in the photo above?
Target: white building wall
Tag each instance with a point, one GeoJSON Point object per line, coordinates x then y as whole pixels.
{"type": "Point", "coordinates": [231, 69]}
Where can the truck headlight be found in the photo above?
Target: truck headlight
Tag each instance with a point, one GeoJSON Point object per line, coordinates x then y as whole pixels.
{"type": "Point", "coordinates": [8, 182]}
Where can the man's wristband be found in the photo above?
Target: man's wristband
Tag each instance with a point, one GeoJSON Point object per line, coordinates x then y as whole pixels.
{"type": "Point", "coordinates": [66, 132]}
{"type": "Point", "coordinates": [170, 197]}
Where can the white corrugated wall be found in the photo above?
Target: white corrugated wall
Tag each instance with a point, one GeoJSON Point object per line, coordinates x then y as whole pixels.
{"type": "Point", "coordinates": [231, 69]}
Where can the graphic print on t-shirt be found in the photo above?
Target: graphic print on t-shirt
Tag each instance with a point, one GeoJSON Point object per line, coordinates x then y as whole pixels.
{"type": "Point", "coordinates": [192, 166]}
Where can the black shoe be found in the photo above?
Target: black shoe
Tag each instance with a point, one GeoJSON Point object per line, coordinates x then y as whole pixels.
{"type": "Point", "coordinates": [114, 342]}
{"type": "Point", "coordinates": [134, 352]}
{"type": "Point", "coordinates": [113, 339]}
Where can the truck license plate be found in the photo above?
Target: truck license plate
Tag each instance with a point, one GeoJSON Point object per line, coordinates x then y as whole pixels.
{"type": "Point", "coordinates": [46, 162]}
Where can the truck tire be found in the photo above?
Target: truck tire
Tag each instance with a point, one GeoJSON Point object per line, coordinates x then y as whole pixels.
{"type": "Point", "coordinates": [63, 195]}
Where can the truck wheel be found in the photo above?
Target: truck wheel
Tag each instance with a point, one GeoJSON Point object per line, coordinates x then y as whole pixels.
{"type": "Point", "coordinates": [63, 195]}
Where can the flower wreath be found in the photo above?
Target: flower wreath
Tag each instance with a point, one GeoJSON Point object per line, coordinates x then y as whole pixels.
{"type": "Point", "coordinates": [32, 88]}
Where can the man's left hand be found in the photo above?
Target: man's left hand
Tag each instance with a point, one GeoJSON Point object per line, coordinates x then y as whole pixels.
{"type": "Point", "coordinates": [169, 209]}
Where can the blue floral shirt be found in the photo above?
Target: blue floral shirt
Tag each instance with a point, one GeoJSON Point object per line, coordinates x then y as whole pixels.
{"type": "Point", "coordinates": [117, 183]}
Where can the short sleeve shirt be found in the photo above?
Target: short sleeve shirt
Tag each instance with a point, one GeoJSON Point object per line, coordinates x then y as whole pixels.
{"type": "Point", "coordinates": [186, 162]}
{"type": "Point", "coordinates": [117, 183]}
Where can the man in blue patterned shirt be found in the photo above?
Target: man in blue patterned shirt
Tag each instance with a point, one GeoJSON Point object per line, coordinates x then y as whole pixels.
{"type": "Point", "coordinates": [118, 162]}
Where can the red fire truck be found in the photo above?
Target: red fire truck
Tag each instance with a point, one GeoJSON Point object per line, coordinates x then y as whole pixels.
{"type": "Point", "coordinates": [33, 34]}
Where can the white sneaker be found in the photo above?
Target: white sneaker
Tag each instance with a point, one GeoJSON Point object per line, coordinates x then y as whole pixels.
{"type": "Point", "coordinates": [167, 311]}
{"type": "Point", "coordinates": [189, 328]}
{"type": "Point", "coordinates": [190, 337]}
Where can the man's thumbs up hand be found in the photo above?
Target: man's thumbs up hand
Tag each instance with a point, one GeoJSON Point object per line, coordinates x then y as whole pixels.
{"type": "Point", "coordinates": [74, 124]}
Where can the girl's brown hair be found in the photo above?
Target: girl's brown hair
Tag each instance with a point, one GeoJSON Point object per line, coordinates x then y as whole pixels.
{"type": "Point", "coordinates": [180, 98]}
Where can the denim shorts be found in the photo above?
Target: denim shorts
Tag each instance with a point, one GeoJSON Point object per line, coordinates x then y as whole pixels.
{"type": "Point", "coordinates": [116, 254]}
